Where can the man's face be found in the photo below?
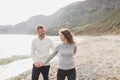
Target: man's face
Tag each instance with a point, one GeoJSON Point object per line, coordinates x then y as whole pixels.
{"type": "Point", "coordinates": [41, 33]}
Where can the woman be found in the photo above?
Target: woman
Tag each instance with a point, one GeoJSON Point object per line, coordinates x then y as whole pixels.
{"type": "Point", "coordinates": [66, 51]}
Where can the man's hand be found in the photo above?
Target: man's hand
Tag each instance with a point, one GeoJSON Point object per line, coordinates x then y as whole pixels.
{"type": "Point", "coordinates": [37, 64]}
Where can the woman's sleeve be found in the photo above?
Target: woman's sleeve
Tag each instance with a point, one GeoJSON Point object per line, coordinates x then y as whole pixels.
{"type": "Point", "coordinates": [51, 56]}
{"type": "Point", "coordinates": [75, 48]}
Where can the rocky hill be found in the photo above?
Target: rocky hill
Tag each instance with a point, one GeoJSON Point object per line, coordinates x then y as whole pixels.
{"type": "Point", "coordinates": [71, 16]}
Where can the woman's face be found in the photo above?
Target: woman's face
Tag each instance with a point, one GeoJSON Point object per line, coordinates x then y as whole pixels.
{"type": "Point", "coordinates": [62, 37]}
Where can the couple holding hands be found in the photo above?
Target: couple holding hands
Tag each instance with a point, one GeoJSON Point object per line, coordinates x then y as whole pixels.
{"type": "Point", "coordinates": [40, 53]}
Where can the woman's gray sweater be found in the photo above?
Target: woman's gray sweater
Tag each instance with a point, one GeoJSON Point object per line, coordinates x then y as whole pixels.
{"type": "Point", "coordinates": [65, 53]}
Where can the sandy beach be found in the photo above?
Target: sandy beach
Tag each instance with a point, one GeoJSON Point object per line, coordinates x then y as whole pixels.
{"type": "Point", "coordinates": [97, 58]}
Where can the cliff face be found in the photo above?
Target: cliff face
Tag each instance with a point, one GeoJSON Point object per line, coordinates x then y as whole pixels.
{"type": "Point", "coordinates": [109, 25]}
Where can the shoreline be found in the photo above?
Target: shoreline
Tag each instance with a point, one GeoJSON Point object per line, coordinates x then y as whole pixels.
{"type": "Point", "coordinates": [13, 58]}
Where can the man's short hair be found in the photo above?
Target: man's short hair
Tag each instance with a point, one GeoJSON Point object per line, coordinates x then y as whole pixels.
{"type": "Point", "coordinates": [40, 27]}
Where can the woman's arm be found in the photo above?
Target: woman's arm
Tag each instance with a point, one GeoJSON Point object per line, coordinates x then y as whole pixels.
{"type": "Point", "coordinates": [75, 48]}
{"type": "Point", "coordinates": [50, 57]}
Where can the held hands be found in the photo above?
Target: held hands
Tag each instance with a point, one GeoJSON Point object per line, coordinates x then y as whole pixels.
{"type": "Point", "coordinates": [38, 64]}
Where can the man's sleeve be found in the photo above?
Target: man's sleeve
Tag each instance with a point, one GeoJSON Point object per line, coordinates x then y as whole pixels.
{"type": "Point", "coordinates": [33, 52]}
{"type": "Point", "coordinates": [52, 45]}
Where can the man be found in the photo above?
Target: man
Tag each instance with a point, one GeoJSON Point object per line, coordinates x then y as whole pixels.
{"type": "Point", "coordinates": [40, 51]}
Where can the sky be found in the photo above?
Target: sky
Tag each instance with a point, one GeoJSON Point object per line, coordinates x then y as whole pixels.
{"type": "Point", "coordinates": [16, 11]}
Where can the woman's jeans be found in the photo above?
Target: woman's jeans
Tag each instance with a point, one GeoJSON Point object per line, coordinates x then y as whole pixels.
{"type": "Point", "coordinates": [70, 74]}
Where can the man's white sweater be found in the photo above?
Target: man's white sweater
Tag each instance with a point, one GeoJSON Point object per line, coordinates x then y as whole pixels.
{"type": "Point", "coordinates": [40, 49]}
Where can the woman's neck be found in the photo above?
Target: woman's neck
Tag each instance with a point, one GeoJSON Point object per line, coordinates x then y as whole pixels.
{"type": "Point", "coordinates": [65, 41]}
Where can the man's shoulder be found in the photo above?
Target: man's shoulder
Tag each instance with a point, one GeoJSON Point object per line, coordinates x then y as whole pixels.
{"type": "Point", "coordinates": [36, 38]}
{"type": "Point", "coordinates": [48, 38]}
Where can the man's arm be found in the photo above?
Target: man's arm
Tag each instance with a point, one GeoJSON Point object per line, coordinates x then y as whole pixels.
{"type": "Point", "coordinates": [35, 62]}
{"type": "Point", "coordinates": [33, 52]}
{"type": "Point", "coordinates": [52, 46]}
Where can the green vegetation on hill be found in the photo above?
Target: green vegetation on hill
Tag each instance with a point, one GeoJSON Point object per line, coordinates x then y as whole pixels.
{"type": "Point", "coordinates": [107, 25]}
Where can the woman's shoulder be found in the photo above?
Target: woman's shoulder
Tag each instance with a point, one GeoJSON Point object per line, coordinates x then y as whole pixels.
{"type": "Point", "coordinates": [48, 38]}
{"type": "Point", "coordinates": [74, 44]}
{"type": "Point", "coordinates": [59, 44]}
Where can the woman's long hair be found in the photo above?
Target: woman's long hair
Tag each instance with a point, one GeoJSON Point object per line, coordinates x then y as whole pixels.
{"type": "Point", "coordinates": [68, 35]}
